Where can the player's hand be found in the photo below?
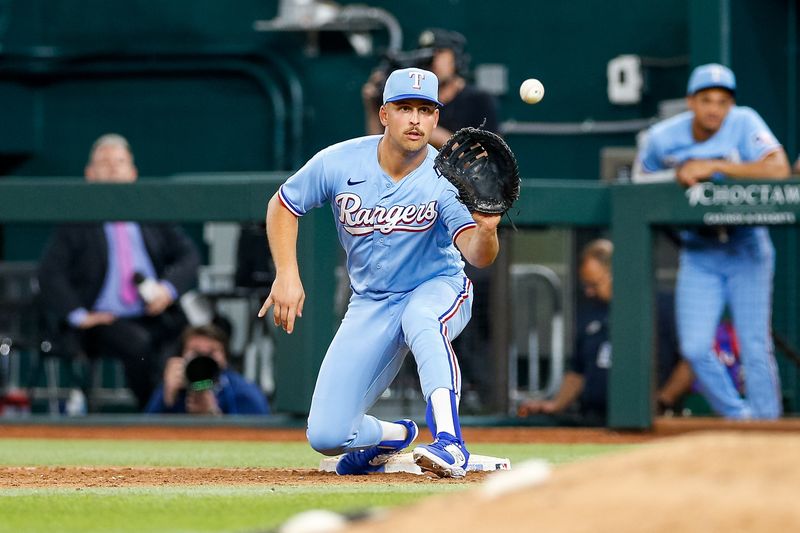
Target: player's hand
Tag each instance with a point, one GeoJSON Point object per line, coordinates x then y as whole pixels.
{"type": "Point", "coordinates": [287, 298]}
{"type": "Point", "coordinates": [533, 407]}
{"type": "Point", "coordinates": [696, 170]}
{"type": "Point", "coordinates": [97, 318]}
{"type": "Point", "coordinates": [162, 298]}
{"type": "Point", "coordinates": [202, 403]}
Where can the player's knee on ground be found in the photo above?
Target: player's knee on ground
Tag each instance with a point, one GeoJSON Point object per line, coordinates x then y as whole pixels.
{"type": "Point", "coordinates": [328, 441]}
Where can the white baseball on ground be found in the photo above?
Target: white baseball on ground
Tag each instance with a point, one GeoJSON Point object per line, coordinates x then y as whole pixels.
{"type": "Point", "coordinates": [314, 521]}
{"type": "Point", "coordinates": [531, 91]}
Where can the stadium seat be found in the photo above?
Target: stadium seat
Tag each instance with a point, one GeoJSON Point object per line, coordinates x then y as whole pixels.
{"type": "Point", "coordinates": [63, 376]}
{"type": "Point", "coordinates": [18, 328]}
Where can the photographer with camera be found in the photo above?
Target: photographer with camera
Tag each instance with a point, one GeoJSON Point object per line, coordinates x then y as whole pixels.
{"type": "Point", "coordinates": [199, 381]}
{"type": "Point", "coordinates": [442, 52]}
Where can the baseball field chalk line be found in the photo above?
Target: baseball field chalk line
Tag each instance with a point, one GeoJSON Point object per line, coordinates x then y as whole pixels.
{"type": "Point", "coordinates": [404, 462]}
{"type": "Point", "coordinates": [526, 474]}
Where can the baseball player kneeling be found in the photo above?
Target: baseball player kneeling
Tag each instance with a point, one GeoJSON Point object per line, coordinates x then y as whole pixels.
{"type": "Point", "coordinates": [402, 227]}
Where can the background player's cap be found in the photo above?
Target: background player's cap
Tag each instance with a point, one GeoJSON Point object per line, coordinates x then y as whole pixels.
{"type": "Point", "coordinates": [711, 76]}
{"type": "Point", "coordinates": [409, 83]}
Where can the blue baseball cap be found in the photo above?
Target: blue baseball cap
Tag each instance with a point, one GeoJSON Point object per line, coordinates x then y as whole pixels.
{"type": "Point", "coordinates": [409, 83]}
{"type": "Point", "coordinates": [711, 76]}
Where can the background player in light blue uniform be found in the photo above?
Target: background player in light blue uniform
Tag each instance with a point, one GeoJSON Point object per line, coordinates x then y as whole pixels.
{"type": "Point", "coordinates": [398, 222]}
{"type": "Point", "coordinates": [722, 265]}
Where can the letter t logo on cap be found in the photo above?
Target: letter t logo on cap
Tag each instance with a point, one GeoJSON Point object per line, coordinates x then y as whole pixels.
{"type": "Point", "coordinates": [418, 77]}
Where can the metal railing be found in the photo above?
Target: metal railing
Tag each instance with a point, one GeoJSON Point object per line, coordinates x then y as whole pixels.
{"type": "Point", "coordinates": [537, 338]}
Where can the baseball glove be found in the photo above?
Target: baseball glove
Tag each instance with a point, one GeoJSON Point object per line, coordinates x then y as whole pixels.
{"type": "Point", "coordinates": [483, 169]}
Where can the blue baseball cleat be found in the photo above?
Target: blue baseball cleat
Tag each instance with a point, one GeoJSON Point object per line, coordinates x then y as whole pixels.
{"type": "Point", "coordinates": [372, 459]}
{"type": "Point", "coordinates": [446, 457]}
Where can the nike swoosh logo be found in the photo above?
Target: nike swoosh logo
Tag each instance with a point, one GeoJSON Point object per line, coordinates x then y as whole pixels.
{"type": "Point", "coordinates": [351, 182]}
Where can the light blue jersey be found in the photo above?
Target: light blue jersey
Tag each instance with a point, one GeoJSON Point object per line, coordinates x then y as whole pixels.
{"type": "Point", "coordinates": [397, 235]}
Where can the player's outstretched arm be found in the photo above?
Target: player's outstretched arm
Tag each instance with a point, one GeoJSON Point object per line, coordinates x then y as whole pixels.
{"type": "Point", "coordinates": [287, 295]}
{"type": "Point", "coordinates": [479, 246]}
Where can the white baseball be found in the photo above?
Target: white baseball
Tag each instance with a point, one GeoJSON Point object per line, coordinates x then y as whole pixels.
{"type": "Point", "coordinates": [314, 521]}
{"type": "Point", "coordinates": [531, 91]}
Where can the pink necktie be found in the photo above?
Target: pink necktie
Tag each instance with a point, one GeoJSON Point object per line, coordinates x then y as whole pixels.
{"type": "Point", "coordinates": [125, 260]}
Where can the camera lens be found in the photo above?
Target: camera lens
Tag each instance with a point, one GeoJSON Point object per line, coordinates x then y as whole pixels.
{"type": "Point", "coordinates": [202, 372]}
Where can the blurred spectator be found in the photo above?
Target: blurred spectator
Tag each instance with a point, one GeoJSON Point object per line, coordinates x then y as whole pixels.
{"type": "Point", "coordinates": [443, 52]}
{"type": "Point", "coordinates": [200, 381]}
{"type": "Point", "coordinates": [112, 286]}
{"type": "Point", "coordinates": [796, 167]}
{"type": "Point", "coordinates": [722, 265]}
{"type": "Point", "coordinates": [585, 384]}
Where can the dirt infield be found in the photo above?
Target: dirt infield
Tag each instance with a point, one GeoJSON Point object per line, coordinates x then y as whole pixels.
{"type": "Point", "coordinates": [93, 477]}
{"type": "Point", "coordinates": [85, 477]}
{"type": "Point", "coordinates": [78, 477]}
{"type": "Point", "coordinates": [722, 481]}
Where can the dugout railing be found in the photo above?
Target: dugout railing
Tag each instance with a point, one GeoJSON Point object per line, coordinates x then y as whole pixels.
{"type": "Point", "coordinates": [633, 213]}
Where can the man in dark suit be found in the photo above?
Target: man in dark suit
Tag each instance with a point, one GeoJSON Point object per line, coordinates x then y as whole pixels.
{"type": "Point", "coordinates": [88, 273]}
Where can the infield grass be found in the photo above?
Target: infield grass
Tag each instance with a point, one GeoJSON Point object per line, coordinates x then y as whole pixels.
{"type": "Point", "coordinates": [208, 508]}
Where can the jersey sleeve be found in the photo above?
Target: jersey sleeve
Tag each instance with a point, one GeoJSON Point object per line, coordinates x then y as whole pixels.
{"type": "Point", "coordinates": [307, 188]}
{"type": "Point", "coordinates": [757, 140]}
{"type": "Point", "coordinates": [455, 215]}
{"type": "Point", "coordinates": [649, 157]}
